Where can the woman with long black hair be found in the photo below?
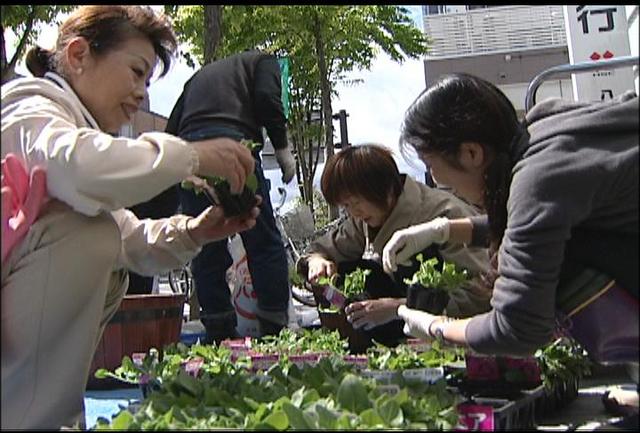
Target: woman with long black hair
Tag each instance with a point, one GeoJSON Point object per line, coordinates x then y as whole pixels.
{"type": "Point", "coordinates": [560, 191]}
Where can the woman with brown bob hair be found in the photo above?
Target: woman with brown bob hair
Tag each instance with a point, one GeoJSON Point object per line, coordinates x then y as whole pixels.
{"type": "Point", "coordinates": [379, 200]}
{"type": "Point", "coordinates": [64, 280]}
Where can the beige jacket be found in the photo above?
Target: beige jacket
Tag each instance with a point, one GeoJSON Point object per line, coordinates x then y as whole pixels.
{"type": "Point", "coordinates": [45, 123]}
{"type": "Point", "coordinates": [418, 203]}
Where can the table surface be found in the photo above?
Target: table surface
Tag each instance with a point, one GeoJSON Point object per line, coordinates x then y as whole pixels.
{"type": "Point", "coordinates": [586, 412]}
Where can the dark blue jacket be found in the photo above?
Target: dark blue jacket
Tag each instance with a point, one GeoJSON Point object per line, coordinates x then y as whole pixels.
{"type": "Point", "coordinates": [241, 92]}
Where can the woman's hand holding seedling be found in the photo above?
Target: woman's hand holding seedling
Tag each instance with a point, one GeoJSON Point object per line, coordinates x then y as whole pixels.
{"type": "Point", "coordinates": [373, 312]}
{"type": "Point", "coordinates": [211, 225]}
{"type": "Point", "coordinates": [320, 267]}
{"type": "Point", "coordinates": [226, 158]}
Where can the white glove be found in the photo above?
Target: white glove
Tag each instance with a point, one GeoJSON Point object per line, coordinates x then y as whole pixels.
{"type": "Point", "coordinates": [287, 164]}
{"type": "Point", "coordinates": [416, 322]}
{"type": "Point", "coordinates": [407, 242]}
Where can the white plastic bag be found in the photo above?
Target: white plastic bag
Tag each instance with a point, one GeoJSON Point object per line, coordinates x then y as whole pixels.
{"type": "Point", "coordinates": [243, 297]}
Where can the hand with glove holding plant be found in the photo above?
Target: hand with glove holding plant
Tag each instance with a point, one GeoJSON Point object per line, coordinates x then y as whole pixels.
{"type": "Point", "coordinates": [407, 242]}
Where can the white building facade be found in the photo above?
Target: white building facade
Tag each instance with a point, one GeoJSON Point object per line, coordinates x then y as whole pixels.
{"type": "Point", "coordinates": [506, 45]}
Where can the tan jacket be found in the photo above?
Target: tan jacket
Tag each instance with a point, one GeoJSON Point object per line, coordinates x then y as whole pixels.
{"type": "Point", "coordinates": [418, 203]}
{"type": "Point", "coordinates": [45, 123]}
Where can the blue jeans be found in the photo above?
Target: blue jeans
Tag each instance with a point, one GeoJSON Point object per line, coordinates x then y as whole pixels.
{"type": "Point", "coordinates": [266, 256]}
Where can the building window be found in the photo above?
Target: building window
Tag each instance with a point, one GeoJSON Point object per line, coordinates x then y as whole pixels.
{"type": "Point", "coordinates": [443, 9]}
{"type": "Point", "coordinates": [472, 7]}
{"type": "Point", "coordinates": [434, 9]}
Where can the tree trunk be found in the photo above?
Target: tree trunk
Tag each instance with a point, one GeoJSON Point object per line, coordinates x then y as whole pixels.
{"type": "Point", "coordinates": [325, 95]}
{"type": "Point", "coordinates": [8, 69]}
{"type": "Point", "coordinates": [3, 54]}
{"type": "Point", "coordinates": [212, 31]}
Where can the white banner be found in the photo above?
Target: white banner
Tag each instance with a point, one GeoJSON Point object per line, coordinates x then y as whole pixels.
{"type": "Point", "coordinates": [596, 33]}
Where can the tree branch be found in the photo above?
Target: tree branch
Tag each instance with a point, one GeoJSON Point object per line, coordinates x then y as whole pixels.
{"type": "Point", "coordinates": [8, 70]}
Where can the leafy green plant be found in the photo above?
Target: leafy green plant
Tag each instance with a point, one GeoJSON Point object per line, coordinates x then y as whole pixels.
{"type": "Point", "coordinates": [302, 341]}
{"type": "Point", "coordinates": [353, 285]}
{"type": "Point", "coordinates": [561, 360]}
{"type": "Point", "coordinates": [295, 279]}
{"type": "Point", "coordinates": [157, 369]}
{"type": "Point", "coordinates": [323, 396]}
{"type": "Point", "coordinates": [354, 282]}
{"type": "Point", "coordinates": [328, 281]}
{"type": "Point", "coordinates": [450, 278]}
{"type": "Point", "coordinates": [403, 357]}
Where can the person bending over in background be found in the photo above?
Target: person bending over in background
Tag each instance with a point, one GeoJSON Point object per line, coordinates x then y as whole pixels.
{"type": "Point", "coordinates": [64, 280]}
{"type": "Point", "coordinates": [235, 97]}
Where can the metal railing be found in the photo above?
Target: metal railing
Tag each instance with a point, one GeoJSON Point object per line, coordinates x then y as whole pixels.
{"type": "Point", "coordinates": [530, 98]}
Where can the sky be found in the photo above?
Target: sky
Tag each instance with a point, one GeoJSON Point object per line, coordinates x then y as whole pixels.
{"type": "Point", "coordinates": [375, 106]}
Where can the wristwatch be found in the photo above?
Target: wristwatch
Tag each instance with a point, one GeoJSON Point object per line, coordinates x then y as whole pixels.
{"type": "Point", "coordinates": [436, 329]}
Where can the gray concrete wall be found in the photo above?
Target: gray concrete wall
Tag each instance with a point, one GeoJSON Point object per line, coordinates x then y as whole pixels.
{"type": "Point", "coordinates": [503, 68]}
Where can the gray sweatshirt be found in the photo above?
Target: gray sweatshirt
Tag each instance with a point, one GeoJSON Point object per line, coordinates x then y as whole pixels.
{"type": "Point", "coordinates": [577, 167]}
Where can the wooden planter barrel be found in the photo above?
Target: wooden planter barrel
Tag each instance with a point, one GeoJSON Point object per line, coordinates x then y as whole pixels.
{"type": "Point", "coordinates": [141, 323]}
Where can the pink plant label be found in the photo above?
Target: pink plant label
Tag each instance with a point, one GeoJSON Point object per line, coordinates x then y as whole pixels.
{"type": "Point", "coordinates": [301, 360]}
{"type": "Point", "coordinates": [144, 379]}
{"type": "Point", "coordinates": [263, 362]}
{"type": "Point", "coordinates": [138, 357]}
{"type": "Point", "coordinates": [334, 296]}
{"type": "Point", "coordinates": [475, 417]}
{"type": "Point", "coordinates": [238, 344]}
{"type": "Point", "coordinates": [192, 367]}
{"type": "Point", "coordinates": [360, 362]}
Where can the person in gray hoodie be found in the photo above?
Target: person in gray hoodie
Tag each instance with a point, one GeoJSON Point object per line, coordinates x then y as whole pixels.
{"type": "Point", "coordinates": [560, 190]}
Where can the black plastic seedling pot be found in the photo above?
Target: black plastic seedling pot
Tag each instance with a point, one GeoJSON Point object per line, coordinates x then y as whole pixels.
{"type": "Point", "coordinates": [426, 299]}
{"type": "Point", "coordinates": [234, 204]}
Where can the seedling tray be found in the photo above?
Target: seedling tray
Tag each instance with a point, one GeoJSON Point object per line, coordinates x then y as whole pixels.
{"type": "Point", "coordinates": [498, 376]}
{"type": "Point", "coordinates": [481, 413]}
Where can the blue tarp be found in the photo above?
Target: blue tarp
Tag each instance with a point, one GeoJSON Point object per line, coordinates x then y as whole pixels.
{"type": "Point", "coordinates": [108, 403]}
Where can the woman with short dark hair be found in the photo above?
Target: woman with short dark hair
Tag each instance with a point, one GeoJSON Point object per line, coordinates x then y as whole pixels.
{"type": "Point", "coordinates": [379, 200]}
